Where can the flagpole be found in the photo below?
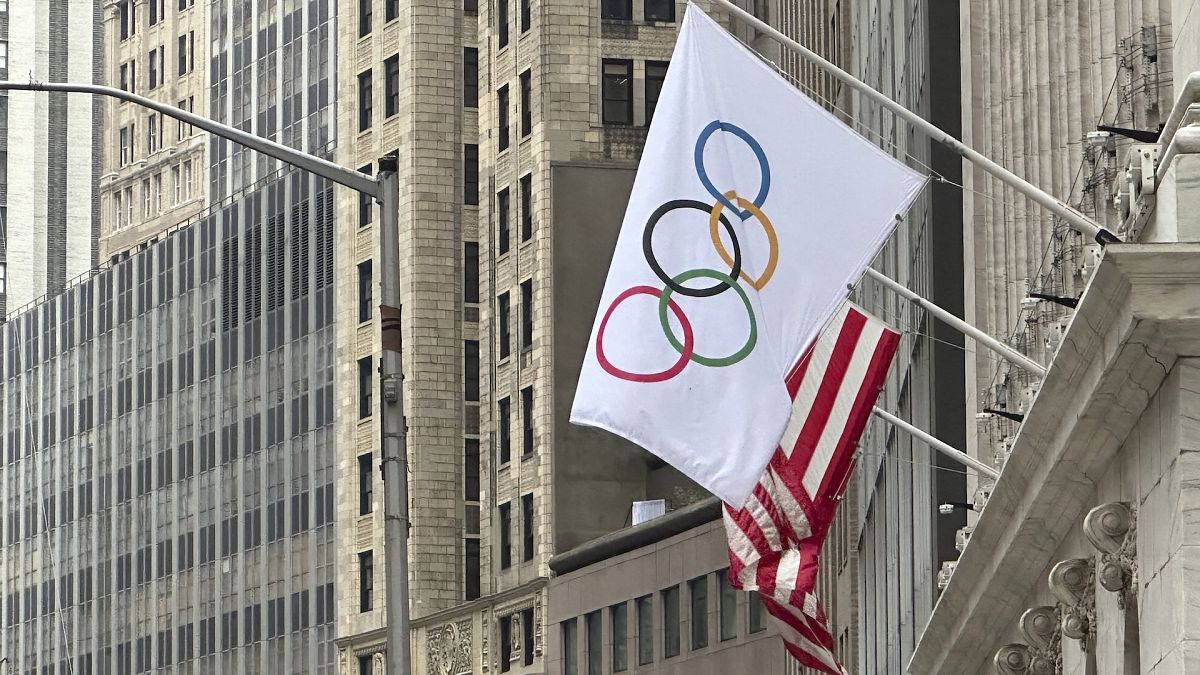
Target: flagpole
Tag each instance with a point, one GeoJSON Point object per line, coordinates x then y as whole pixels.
{"type": "Point", "coordinates": [1011, 355]}
{"type": "Point", "coordinates": [1075, 219]}
{"type": "Point", "coordinates": [942, 447]}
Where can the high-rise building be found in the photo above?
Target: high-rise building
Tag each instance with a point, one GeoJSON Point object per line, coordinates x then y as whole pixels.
{"type": "Point", "coordinates": [50, 148]}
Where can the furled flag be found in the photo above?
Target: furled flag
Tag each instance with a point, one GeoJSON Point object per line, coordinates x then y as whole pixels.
{"type": "Point", "coordinates": [775, 539]}
{"type": "Point", "coordinates": [752, 210]}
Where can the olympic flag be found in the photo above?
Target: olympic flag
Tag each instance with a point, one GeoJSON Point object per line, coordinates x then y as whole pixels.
{"type": "Point", "coordinates": [752, 210]}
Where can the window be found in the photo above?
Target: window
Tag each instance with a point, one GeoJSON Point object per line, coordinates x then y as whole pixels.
{"type": "Point", "coordinates": [366, 209]}
{"type": "Point", "coordinates": [128, 19]}
{"type": "Point", "coordinates": [620, 639]}
{"type": "Point", "coordinates": [128, 76]}
{"type": "Point", "coordinates": [570, 647]}
{"type": "Point", "coordinates": [595, 645]}
{"type": "Point", "coordinates": [471, 174]}
{"type": "Point", "coordinates": [506, 640]}
{"type": "Point", "coordinates": [366, 285]}
{"type": "Point", "coordinates": [698, 595]}
{"type": "Point", "coordinates": [391, 86]}
{"type": "Point", "coordinates": [146, 201]}
{"type": "Point", "coordinates": [728, 606]}
{"type": "Point", "coordinates": [187, 53]}
{"type": "Point", "coordinates": [158, 193]}
{"type": "Point", "coordinates": [526, 103]}
{"type": "Point", "coordinates": [364, 17]}
{"type": "Point", "coordinates": [617, 10]}
{"type": "Point", "coordinates": [502, 212]}
{"type": "Point", "coordinates": [366, 580]}
{"type": "Point", "coordinates": [4, 273]}
{"type": "Point", "coordinates": [364, 101]}
{"type": "Point", "coordinates": [527, 417]}
{"type": "Point", "coordinates": [526, 14]}
{"type": "Point", "coordinates": [185, 4]}
{"type": "Point", "coordinates": [502, 22]}
{"type": "Point", "coordinates": [502, 111]}
{"type": "Point", "coordinates": [471, 6]}
{"type": "Point", "coordinates": [526, 187]}
{"type": "Point", "coordinates": [502, 310]}
{"type": "Point", "coordinates": [527, 636]}
{"type": "Point", "coordinates": [391, 9]}
{"type": "Point", "coordinates": [156, 67]}
{"type": "Point", "coordinates": [183, 129]}
{"type": "Point", "coordinates": [153, 134]}
{"type": "Point", "coordinates": [472, 569]}
{"type": "Point", "coordinates": [471, 469]}
{"type": "Point", "coordinates": [504, 410]}
{"type": "Point", "coordinates": [187, 179]}
{"type": "Point", "coordinates": [176, 185]}
{"type": "Point", "coordinates": [656, 72]}
{"type": "Point", "coordinates": [660, 10]}
{"type": "Point", "coordinates": [527, 314]}
{"type": "Point", "coordinates": [617, 92]}
{"type": "Point", "coordinates": [527, 541]}
{"type": "Point", "coordinates": [471, 370]}
{"type": "Point", "coordinates": [156, 12]}
{"type": "Point", "coordinates": [471, 272]}
{"type": "Point", "coordinates": [129, 201]}
{"type": "Point", "coordinates": [670, 603]}
{"type": "Point", "coordinates": [505, 536]}
{"type": "Point", "coordinates": [366, 665]}
{"type": "Point", "coordinates": [470, 77]}
{"type": "Point", "coordinates": [366, 484]}
{"type": "Point", "coordinates": [366, 385]}
{"type": "Point", "coordinates": [645, 629]}
{"type": "Point", "coordinates": [125, 140]}
{"type": "Point", "coordinates": [754, 612]}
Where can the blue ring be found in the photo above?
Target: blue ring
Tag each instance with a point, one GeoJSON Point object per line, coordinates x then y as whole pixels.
{"type": "Point", "coordinates": [765, 168]}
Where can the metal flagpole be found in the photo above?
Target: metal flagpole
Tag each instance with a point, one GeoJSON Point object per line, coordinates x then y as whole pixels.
{"type": "Point", "coordinates": [1011, 355]}
{"type": "Point", "coordinates": [942, 447]}
{"type": "Point", "coordinates": [1075, 219]}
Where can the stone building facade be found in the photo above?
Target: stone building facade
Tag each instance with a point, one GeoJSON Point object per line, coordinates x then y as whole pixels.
{"type": "Point", "coordinates": [50, 148]}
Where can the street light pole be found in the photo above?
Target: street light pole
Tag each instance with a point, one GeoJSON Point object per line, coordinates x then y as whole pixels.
{"type": "Point", "coordinates": [385, 189]}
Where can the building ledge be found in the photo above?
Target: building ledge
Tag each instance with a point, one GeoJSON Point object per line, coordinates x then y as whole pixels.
{"type": "Point", "coordinates": [1138, 315]}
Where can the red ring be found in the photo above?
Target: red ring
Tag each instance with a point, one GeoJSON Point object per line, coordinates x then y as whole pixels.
{"type": "Point", "coordinates": [684, 356]}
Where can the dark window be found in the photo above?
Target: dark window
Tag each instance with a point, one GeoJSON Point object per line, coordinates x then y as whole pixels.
{"type": "Point", "coordinates": [391, 9]}
{"type": "Point", "coordinates": [506, 635]}
{"type": "Point", "coordinates": [470, 77]}
{"type": "Point", "coordinates": [526, 207]}
{"type": "Point", "coordinates": [502, 22]}
{"type": "Point", "coordinates": [620, 636]}
{"type": "Point", "coordinates": [526, 103]}
{"type": "Point", "coordinates": [364, 17]}
{"type": "Point", "coordinates": [754, 612]}
{"type": "Point", "coordinates": [645, 629]}
{"type": "Point", "coordinates": [505, 536]}
{"type": "Point", "coordinates": [366, 284]}
{"type": "Point", "coordinates": [527, 636]}
{"type": "Point", "coordinates": [366, 580]}
{"type": "Point", "coordinates": [621, 10]}
{"type": "Point", "coordinates": [471, 470]}
{"type": "Point", "coordinates": [366, 385]}
{"type": "Point", "coordinates": [391, 86]}
{"type": "Point", "coordinates": [728, 606]}
{"type": "Point", "coordinates": [471, 366]}
{"type": "Point", "coordinates": [570, 647]}
{"type": "Point", "coordinates": [504, 410]}
{"type": "Point", "coordinates": [527, 314]}
{"type": "Point", "coordinates": [471, 272]}
{"type": "Point", "coordinates": [502, 310]}
{"type": "Point", "coordinates": [527, 544]}
{"type": "Point", "coordinates": [660, 10]}
{"type": "Point", "coordinates": [502, 221]}
{"type": "Point", "coordinates": [471, 6]}
{"type": "Point", "coordinates": [656, 72]}
{"type": "Point", "coordinates": [365, 109]}
{"type": "Point", "coordinates": [618, 91]}
{"type": "Point", "coordinates": [595, 642]}
{"type": "Point", "coordinates": [526, 14]}
{"type": "Point", "coordinates": [128, 19]}
{"type": "Point", "coordinates": [157, 67]}
{"type": "Point", "coordinates": [366, 665]}
{"type": "Point", "coordinates": [472, 569]}
{"type": "Point", "coordinates": [670, 603]}
{"type": "Point", "coordinates": [698, 595]}
{"type": "Point", "coordinates": [155, 8]}
{"type": "Point", "coordinates": [502, 112]}
{"type": "Point", "coordinates": [366, 484]}
{"type": "Point", "coordinates": [471, 174]}
{"type": "Point", "coordinates": [527, 446]}
{"type": "Point", "coordinates": [366, 208]}
{"type": "Point", "coordinates": [186, 53]}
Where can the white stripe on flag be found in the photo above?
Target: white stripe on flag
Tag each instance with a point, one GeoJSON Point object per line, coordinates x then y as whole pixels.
{"type": "Point", "coordinates": [811, 384]}
{"type": "Point", "coordinates": [787, 504]}
{"type": "Point", "coordinates": [793, 637]}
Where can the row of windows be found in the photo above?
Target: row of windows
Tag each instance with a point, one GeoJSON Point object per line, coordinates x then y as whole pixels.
{"type": "Point", "coordinates": [180, 190]}
{"type": "Point", "coordinates": [526, 110]}
{"type": "Point", "coordinates": [617, 90]}
{"type": "Point", "coordinates": [527, 531]}
{"type": "Point", "coordinates": [503, 320]}
{"type": "Point", "coordinates": [510, 624]}
{"type": "Point", "coordinates": [669, 618]}
{"type": "Point", "coordinates": [504, 215]}
{"type": "Point", "coordinates": [199, 639]}
{"type": "Point", "coordinates": [156, 62]}
{"type": "Point", "coordinates": [127, 140]}
{"type": "Point", "coordinates": [622, 10]}
{"type": "Point", "coordinates": [155, 13]}
{"type": "Point", "coordinates": [502, 19]}
{"type": "Point", "coordinates": [391, 93]}
{"type": "Point", "coordinates": [504, 422]}
{"type": "Point", "coordinates": [366, 18]}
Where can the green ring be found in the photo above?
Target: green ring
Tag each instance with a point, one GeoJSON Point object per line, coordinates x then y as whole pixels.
{"type": "Point", "coordinates": [740, 354]}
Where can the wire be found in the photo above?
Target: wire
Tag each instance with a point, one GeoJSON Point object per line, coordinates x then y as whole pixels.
{"type": "Point", "coordinates": [888, 456]}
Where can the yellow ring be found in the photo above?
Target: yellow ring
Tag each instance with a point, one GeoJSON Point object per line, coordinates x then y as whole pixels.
{"type": "Point", "coordinates": [714, 221]}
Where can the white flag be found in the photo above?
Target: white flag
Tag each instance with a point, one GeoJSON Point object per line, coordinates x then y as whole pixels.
{"type": "Point", "coordinates": [752, 210]}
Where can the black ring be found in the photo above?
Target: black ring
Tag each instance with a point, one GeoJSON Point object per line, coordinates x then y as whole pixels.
{"type": "Point", "coordinates": [648, 249]}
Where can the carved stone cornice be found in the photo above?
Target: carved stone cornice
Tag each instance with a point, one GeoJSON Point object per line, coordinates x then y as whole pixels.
{"type": "Point", "coordinates": [1012, 659]}
{"type": "Point", "coordinates": [1040, 626]}
{"type": "Point", "coordinates": [1073, 583]}
{"type": "Point", "coordinates": [1112, 529]}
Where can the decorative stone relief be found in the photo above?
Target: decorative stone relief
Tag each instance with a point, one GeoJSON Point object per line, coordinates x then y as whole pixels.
{"type": "Point", "coordinates": [514, 634]}
{"type": "Point", "coordinates": [1072, 582]}
{"type": "Point", "coordinates": [448, 649]}
{"type": "Point", "coordinates": [344, 667]}
{"type": "Point", "coordinates": [380, 665]}
{"type": "Point", "coordinates": [537, 627]}
{"type": "Point", "coordinates": [485, 633]}
{"type": "Point", "coordinates": [1112, 529]}
{"type": "Point", "coordinates": [1040, 625]}
{"type": "Point", "coordinates": [1012, 659]}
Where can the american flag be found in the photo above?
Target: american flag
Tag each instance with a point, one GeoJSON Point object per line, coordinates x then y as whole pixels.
{"type": "Point", "coordinates": [775, 539]}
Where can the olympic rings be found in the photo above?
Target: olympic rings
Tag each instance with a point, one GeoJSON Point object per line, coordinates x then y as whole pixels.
{"type": "Point", "coordinates": [744, 209]}
{"type": "Point", "coordinates": [685, 350]}
{"type": "Point", "coordinates": [665, 301]}
{"type": "Point", "coordinates": [715, 216]}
